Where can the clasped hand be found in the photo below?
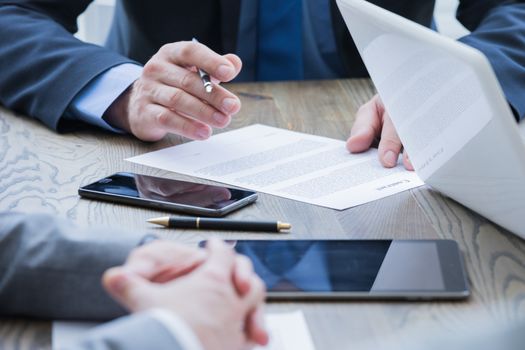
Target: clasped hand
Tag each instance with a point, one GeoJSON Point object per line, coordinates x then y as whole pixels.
{"type": "Point", "coordinates": [214, 290]}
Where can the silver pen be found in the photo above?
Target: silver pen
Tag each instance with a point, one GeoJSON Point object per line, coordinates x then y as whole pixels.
{"type": "Point", "coordinates": [205, 77]}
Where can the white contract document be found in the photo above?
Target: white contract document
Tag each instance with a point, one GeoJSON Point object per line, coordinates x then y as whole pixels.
{"type": "Point", "coordinates": [288, 331]}
{"type": "Point", "coordinates": [303, 167]}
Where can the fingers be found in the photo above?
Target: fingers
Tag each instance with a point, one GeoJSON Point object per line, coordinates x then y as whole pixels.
{"type": "Point", "coordinates": [406, 162]}
{"type": "Point", "coordinates": [185, 103]}
{"type": "Point", "coordinates": [221, 99]}
{"type": "Point", "coordinates": [250, 288]}
{"type": "Point", "coordinates": [371, 121]}
{"type": "Point", "coordinates": [367, 126]}
{"type": "Point", "coordinates": [162, 261]}
{"type": "Point", "coordinates": [164, 120]}
{"type": "Point", "coordinates": [229, 267]}
{"type": "Point", "coordinates": [248, 285]}
{"type": "Point", "coordinates": [220, 261]}
{"type": "Point", "coordinates": [130, 290]}
{"type": "Point", "coordinates": [253, 303]}
{"type": "Point", "coordinates": [189, 54]}
{"type": "Point", "coordinates": [235, 60]}
{"type": "Point", "coordinates": [243, 275]}
{"type": "Point", "coordinates": [256, 328]}
{"type": "Point", "coordinates": [390, 145]}
{"type": "Point", "coordinates": [255, 295]}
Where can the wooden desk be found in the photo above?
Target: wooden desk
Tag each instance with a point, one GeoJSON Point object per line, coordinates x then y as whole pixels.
{"type": "Point", "coordinates": [41, 171]}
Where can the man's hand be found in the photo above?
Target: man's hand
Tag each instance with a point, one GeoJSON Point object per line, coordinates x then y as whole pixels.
{"type": "Point", "coordinates": [162, 261]}
{"type": "Point", "coordinates": [170, 97]}
{"type": "Point", "coordinates": [214, 290]}
{"type": "Point", "coordinates": [373, 122]}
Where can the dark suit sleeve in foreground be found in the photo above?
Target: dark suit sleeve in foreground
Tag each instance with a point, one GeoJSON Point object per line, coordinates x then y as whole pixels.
{"type": "Point", "coordinates": [50, 268]}
{"type": "Point", "coordinates": [42, 65]}
{"type": "Point", "coordinates": [498, 30]}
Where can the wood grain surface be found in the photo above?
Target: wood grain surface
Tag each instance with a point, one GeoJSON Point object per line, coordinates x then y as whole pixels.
{"type": "Point", "coordinates": [40, 171]}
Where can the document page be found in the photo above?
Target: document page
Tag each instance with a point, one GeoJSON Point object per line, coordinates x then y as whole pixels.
{"type": "Point", "coordinates": [435, 101]}
{"type": "Point", "coordinates": [521, 128]}
{"type": "Point", "coordinates": [431, 92]}
{"type": "Point", "coordinates": [288, 331]}
{"type": "Point", "coordinates": [303, 167]}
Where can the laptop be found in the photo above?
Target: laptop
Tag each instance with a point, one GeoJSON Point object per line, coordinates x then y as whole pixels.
{"type": "Point", "coordinates": [448, 109]}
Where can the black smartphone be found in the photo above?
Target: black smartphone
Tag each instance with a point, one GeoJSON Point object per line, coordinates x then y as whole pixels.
{"type": "Point", "coordinates": [358, 269]}
{"type": "Point", "coordinates": [172, 195]}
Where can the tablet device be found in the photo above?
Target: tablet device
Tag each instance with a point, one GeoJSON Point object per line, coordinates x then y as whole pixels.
{"type": "Point", "coordinates": [448, 109]}
{"type": "Point", "coordinates": [364, 269]}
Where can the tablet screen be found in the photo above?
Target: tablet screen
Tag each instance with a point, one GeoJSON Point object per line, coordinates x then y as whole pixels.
{"type": "Point", "coordinates": [370, 266]}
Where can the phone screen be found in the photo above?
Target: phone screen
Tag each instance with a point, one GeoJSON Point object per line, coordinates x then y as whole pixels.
{"type": "Point", "coordinates": [167, 190]}
{"type": "Point", "coordinates": [386, 267]}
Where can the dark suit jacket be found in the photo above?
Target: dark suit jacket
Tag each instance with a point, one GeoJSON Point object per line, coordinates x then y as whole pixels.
{"type": "Point", "coordinates": [43, 67]}
{"type": "Point", "coordinates": [50, 268]}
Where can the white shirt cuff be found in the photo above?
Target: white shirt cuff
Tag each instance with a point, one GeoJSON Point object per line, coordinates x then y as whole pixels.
{"type": "Point", "coordinates": [96, 97]}
{"type": "Point", "coordinates": [180, 330]}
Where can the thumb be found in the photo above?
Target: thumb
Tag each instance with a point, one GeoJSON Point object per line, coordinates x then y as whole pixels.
{"type": "Point", "coordinates": [366, 127]}
{"type": "Point", "coordinates": [130, 290]}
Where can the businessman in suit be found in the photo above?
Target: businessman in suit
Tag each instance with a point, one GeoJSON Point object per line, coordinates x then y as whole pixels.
{"type": "Point", "coordinates": [47, 74]}
{"type": "Point", "coordinates": [180, 297]}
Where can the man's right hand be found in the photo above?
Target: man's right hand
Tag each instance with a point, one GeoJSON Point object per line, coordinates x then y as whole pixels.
{"type": "Point", "coordinates": [170, 97]}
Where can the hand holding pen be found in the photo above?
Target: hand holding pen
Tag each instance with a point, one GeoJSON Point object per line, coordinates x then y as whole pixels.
{"type": "Point", "coordinates": [169, 97]}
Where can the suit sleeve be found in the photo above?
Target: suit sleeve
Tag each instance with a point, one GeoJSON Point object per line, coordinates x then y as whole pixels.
{"type": "Point", "coordinates": [140, 331]}
{"type": "Point", "coordinates": [50, 268]}
{"type": "Point", "coordinates": [42, 65]}
{"type": "Point", "coordinates": [498, 30]}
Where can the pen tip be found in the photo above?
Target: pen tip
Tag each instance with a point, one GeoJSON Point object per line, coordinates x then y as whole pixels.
{"type": "Point", "coordinates": [159, 221]}
{"type": "Point", "coordinates": [209, 88]}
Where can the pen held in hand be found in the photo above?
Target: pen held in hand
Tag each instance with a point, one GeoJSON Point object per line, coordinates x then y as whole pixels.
{"type": "Point", "coordinates": [221, 224]}
{"type": "Point", "coordinates": [205, 77]}
{"type": "Point", "coordinates": [208, 86]}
